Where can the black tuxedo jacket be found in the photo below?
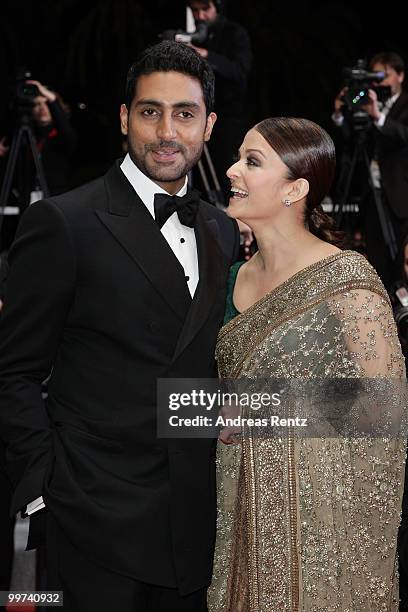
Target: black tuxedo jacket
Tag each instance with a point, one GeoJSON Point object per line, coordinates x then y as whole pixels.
{"type": "Point", "coordinates": [95, 295]}
{"type": "Point", "coordinates": [392, 143]}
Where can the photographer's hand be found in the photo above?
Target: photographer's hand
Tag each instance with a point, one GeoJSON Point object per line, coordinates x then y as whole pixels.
{"type": "Point", "coordinates": [200, 50]}
{"type": "Point", "coordinates": [339, 102]}
{"type": "Point", "coordinates": [44, 91]}
{"type": "Point", "coordinates": [372, 106]}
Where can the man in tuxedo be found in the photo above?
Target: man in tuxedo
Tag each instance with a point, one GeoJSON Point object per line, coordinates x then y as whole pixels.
{"type": "Point", "coordinates": [110, 287]}
{"type": "Point", "coordinates": [387, 146]}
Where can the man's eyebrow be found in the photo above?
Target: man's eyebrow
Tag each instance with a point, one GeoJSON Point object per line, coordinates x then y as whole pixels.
{"type": "Point", "coordinates": [254, 151]}
{"type": "Point", "coordinates": [181, 104]}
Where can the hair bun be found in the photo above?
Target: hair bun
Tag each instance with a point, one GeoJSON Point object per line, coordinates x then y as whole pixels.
{"type": "Point", "coordinates": [323, 226]}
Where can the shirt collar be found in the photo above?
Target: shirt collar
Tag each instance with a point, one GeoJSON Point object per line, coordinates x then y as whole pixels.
{"type": "Point", "coordinates": [145, 187]}
{"type": "Point", "coordinates": [392, 100]}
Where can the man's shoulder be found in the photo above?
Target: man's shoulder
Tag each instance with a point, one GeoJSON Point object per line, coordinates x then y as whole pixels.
{"type": "Point", "coordinates": [94, 194]}
{"type": "Point", "coordinates": [228, 233]}
{"type": "Point", "coordinates": [226, 26]}
{"type": "Point", "coordinates": [80, 197]}
{"type": "Point", "coordinates": [212, 212]}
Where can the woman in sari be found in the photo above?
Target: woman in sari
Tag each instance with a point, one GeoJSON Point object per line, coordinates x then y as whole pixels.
{"type": "Point", "coordinates": [303, 523]}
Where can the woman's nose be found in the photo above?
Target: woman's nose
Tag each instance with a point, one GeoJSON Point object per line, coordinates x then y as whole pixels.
{"type": "Point", "coordinates": [233, 170]}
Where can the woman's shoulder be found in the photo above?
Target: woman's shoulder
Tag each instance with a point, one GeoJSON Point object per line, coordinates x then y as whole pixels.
{"type": "Point", "coordinates": [352, 267]}
{"type": "Point", "coordinates": [353, 263]}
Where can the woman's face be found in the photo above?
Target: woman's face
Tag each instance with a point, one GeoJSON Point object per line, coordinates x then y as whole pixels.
{"type": "Point", "coordinates": [258, 181]}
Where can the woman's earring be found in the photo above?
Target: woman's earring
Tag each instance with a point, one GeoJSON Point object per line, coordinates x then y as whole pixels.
{"type": "Point", "coordinates": [287, 202]}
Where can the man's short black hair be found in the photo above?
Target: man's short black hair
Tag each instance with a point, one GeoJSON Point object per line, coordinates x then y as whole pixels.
{"type": "Point", "coordinates": [206, 3]}
{"type": "Point", "coordinates": [389, 58]}
{"type": "Point", "coordinates": [169, 56]}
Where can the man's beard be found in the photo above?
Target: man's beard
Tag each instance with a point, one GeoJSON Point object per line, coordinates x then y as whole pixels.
{"type": "Point", "coordinates": [165, 174]}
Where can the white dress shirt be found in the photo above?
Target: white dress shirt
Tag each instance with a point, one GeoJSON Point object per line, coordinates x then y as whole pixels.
{"type": "Point", "coordinates": [181, 239]}
{"type": "Point", "coordinates": [386, 109]}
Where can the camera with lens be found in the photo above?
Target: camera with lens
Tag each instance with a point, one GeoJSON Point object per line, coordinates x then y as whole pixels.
{"type": "Point", "coordinates": [359, 81]}
{"type": "Point", "coordinates": [24, 93]}
{"type": "Point", "coordinates": [195, 38]}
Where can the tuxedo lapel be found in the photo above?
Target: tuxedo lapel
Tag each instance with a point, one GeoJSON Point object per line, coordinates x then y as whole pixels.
{"type": "Point", "coordinates": [129, 221]}
{"type": "Point", "coordinates": [211, 266]}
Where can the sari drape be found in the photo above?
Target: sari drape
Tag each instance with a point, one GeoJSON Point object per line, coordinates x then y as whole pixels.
{"type": "Point", "coordinates": [311, 523]}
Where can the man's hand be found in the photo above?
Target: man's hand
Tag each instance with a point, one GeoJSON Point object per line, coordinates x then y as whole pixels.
{"type": "Point", "coordinates": [4, 149]}
{"type": "Point", "coordinates": [200, 50]}
{"type": "Point", "coordinates": [44, 91]}
{"type": "Point", "coordinates": [247, 236]}
{"type": "Point", "coordinates": [231, 433]}
{"type": "Point", "coordinates": [372, 105]}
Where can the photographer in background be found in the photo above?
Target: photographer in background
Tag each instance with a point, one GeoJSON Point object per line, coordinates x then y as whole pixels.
{"type": "Point", "coordinates": [228, 51]}
{"type": "Point", "coordinates": [387, 146]}
{"type": "Point", "coordinates": [55, 137]}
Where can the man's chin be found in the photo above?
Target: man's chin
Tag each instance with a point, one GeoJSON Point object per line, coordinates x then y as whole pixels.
{"type": "Point", "coordinates": [166, 175]}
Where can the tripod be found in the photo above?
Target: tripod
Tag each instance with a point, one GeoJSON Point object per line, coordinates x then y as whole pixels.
{"type": "Point", "coordinates": [215, 195]}
{"type": "Point", "coordinates": [23, 135]}
{"type": "Point", "coordinates": [361, 131]}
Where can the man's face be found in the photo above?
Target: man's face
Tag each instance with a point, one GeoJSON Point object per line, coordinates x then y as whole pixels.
{"type": "Point", "coordinates": [166, 127]}
{"type": "Point", "coordinates": [204, 11]}
{"type": "Point", "coordinates": [41, 112]}
{"type": "Point", "coordinates": [392, 78]}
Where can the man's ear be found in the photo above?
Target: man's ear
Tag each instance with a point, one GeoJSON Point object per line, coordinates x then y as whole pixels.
{"type": "Point", "coordinates": [124, 119]}
{"type": "Point", "coordinates": [298, 190]}
{"type": "Point", "coordinates": [211, 119]}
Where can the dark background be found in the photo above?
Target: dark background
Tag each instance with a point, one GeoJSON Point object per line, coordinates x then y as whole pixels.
{"type": "Point", "coordinates": [83, 49]}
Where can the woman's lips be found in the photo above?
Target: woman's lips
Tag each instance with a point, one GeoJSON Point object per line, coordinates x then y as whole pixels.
{"type": "Point", "coordinates": [237, 196]}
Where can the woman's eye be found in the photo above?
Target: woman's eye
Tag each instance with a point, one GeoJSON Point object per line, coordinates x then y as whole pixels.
{"type": "Point", "coordinates": [250, 161]}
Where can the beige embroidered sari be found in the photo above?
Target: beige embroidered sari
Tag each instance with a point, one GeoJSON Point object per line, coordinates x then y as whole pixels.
{"type": "Point", "coordinates": [311, 523]}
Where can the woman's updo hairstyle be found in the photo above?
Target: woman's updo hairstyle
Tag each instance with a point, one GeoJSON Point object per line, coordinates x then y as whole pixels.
{"type": "Point", "coordinates": [309, 153]}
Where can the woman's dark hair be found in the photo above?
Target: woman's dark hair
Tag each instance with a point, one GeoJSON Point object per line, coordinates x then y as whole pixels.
{"type": "Point", "coordinates": [169, 56]}
{"type": "Point", "coordinates": [309, 153]}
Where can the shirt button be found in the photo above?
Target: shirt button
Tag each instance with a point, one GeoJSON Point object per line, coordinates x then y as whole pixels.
{"type": "Point", "coordinates": [182, 240]}
{"type": "Point", "coordinates": [187, 278]}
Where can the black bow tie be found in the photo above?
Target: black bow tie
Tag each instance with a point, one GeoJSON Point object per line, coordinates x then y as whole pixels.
{"type": "Point", "coordinates": [185, 206]}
